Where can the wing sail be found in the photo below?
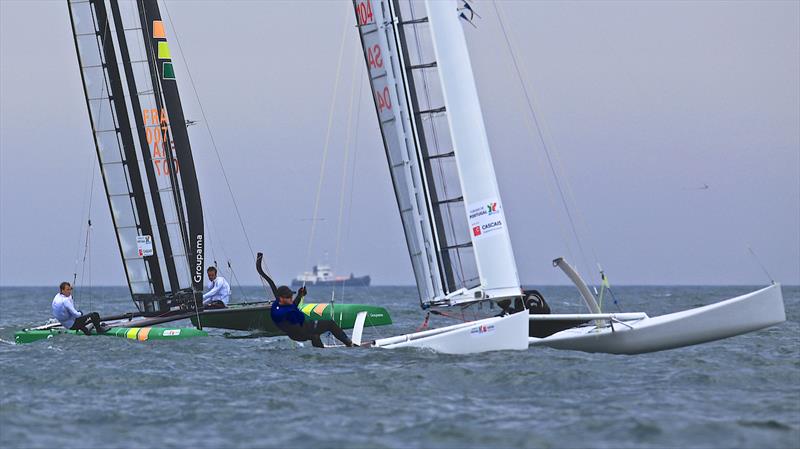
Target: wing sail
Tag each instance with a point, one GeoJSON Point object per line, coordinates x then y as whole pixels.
{"type": "Point", "coordinates": [461, 221]}
{"type": "Point", "coordinates": [149, 187]}
{"type": "Point", "coordinates": [379, 42]}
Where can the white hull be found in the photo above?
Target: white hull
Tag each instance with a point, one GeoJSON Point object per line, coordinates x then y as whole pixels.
{"type": "Point", "coordinates": [491, 334]}
{"type": "Point", "coordinates": [724, 319]}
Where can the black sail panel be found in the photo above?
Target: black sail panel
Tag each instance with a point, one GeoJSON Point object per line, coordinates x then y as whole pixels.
{"type": "Point", "coordinates": [165, 80]}
{"type": "Point", "coordinates": [149, 177]}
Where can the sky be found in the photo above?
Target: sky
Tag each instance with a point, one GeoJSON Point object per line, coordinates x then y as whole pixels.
{"type": "Point", "coordinates": [643, 104]}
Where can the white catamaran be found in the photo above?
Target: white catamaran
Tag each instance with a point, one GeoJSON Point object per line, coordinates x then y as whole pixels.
{"type": "Point", "coordinates": [453, 217]}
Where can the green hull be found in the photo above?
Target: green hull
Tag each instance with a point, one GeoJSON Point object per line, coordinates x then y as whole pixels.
{"type": "Point", "coordinates": [131, 333]}
{"type": "Point", "coordinates": [256, 317]}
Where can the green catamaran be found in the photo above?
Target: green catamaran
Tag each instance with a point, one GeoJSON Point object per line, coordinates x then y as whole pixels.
{"type": "Point", "coordinates": [151, 186]}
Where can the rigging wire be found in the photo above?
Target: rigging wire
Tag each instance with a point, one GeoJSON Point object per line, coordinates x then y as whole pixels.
{"type": "Point", "coordinates": [343, 187]}
{"type": "Point", "coordinates": [84, 213]}
{"type": "Point", "coordinates": [327, 140]}
{"type": "Point", "coordinates": [355, 155]}
{"type": "Point", "coordinates": [758, 261]}
{"type": "Point", "coordinates": [538, 125]}
{"type": "Point", "coordinates": [207, 124]}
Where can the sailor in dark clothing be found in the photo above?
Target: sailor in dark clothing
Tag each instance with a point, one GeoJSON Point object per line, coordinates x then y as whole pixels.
{"type": "Point", "coordinates": [291, 320]}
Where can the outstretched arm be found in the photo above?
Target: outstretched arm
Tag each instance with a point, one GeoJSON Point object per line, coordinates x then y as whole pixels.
{"type": "Point", "coordinates": [264, 276]}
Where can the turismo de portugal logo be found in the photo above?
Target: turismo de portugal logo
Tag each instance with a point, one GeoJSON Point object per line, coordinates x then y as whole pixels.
{"type": "Point", "coordinates": [486, 218]}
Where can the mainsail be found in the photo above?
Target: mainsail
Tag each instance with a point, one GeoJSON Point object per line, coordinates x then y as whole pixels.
{"type": "Point", "coordinates": [142, 147]}
{"type": "Point", "coordinates": [438, 153]}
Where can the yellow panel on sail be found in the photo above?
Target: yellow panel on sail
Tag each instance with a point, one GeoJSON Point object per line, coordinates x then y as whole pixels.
{"type": "Point", "coordinates": [163, 50]}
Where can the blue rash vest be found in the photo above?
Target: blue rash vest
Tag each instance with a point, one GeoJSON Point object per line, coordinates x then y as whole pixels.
{"type": "Point", "coordinates": [286, 315]}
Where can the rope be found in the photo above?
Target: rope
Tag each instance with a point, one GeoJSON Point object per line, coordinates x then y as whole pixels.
{"type": "Point", "coordinates": [447, 315]}
{"type": "Point", "coordinates": [540, 133]}
{"type": "Point", "coordinates": [207, 124]}
{"type": "Point", "coordinates": [758, 261]}
{"type": "Point", "coordinates": [424, 324]}
{"type": "Point", "coordinates": [87, 254]}
{"type": "Point", "coordinates": [327, 141]}
{"type": "Point", "coordinates": [343, 188]}
{"type": "Point", "coordinates": [87, 211]}
{"type": "Point", "coordinates": [236, 278]}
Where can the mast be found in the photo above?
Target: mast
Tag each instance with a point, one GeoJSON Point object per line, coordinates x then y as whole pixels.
{"type": "Point", "coordinates": [460, 234]}
{"type": "Point", "coordinates": [129, 120]}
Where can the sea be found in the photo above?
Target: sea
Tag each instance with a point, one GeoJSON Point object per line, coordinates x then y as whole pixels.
{"type": "Point", "coordinates": [219, 392]}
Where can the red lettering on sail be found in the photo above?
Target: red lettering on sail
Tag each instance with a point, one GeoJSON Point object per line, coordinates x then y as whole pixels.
{"type": "Point", "coordinates": [364, 12]}
{"type": "Point", "coordinates": [383, 100]}
{"type": "Point", "coordinates": [374, 57]}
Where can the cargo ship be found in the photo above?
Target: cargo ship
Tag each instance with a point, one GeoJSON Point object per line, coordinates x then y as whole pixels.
{"type": "Point", "coordinates": [322, 276]}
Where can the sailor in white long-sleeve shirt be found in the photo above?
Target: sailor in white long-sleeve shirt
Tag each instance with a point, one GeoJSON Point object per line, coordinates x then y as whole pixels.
{"type": "Point", "coordinates": [69, 317]}
{"type": "Point", "coordinates": [219, 292]}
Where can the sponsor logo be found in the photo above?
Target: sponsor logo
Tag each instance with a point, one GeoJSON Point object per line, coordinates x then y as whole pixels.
{"type": "Point", "coordinates": [475, 213]}
{"type": "Point", "coordinates": [476, 231]}
{"type": "Point", "coordinates": [171, 332]}
{"type": "Point", "coordinates": [198, 267]}
{"type": "Point", "coordinates": [491, 225]}
{"type": "Point", "coordinates": [144, 244]}
{"type": "Point", "coordinates": [489, 208]}
{"type": "Point", "coordinates": [482, 329]}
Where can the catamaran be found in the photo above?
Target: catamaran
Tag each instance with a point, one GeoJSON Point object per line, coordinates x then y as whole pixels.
{"type": "Point", "coordinates": [453, 217]}
{"type": "Point", "coordinates": [142, 146]}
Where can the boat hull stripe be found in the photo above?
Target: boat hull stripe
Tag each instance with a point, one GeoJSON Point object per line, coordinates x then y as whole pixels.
{"type": "Point", "coordinates": [142, 336]}
{"type": "Point", "coordinates": [132, 333]}
{"type": "Point", "coordinates": [320, 308]}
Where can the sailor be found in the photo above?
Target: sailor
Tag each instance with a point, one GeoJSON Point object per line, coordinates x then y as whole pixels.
{"type": "Point", "coordinates": [219, 291]}
{"type": "Point", "coordinates": [288, 317]}
{"type": "Point", "coordinates": [64, 311]}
